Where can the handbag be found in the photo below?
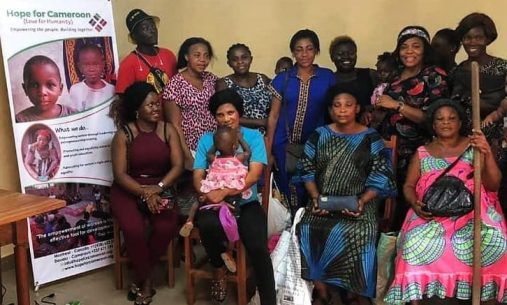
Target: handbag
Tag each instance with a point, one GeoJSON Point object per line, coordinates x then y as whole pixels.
{"type": "Point", "coordinates": [448, 196]}
{"type": "Point", "coordinates": [161, 78]}
{"type": "Point", "coordinates": [338, 203]}
{"type": "Point", "coordinates": [293, 152]}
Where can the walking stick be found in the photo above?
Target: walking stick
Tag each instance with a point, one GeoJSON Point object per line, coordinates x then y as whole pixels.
{"type": "Point", "coordinates": [476, 120]}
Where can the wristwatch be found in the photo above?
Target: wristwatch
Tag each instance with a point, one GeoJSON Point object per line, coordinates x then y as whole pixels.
{"type": "Point", "coordinates": [161, 184]}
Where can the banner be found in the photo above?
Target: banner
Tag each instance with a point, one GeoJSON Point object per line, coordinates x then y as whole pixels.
{"type": "Point", "coordinates": [60, 60]}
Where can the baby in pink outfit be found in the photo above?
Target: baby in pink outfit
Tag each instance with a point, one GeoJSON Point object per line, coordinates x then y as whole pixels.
{"type": "Point", "coordinates": [227, 170]}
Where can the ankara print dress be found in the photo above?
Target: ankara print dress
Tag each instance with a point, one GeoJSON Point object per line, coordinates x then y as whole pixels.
{"type": "Point", "coordinates": [340, 250]}
{"type": "Point", "coordinates": [435, 257]}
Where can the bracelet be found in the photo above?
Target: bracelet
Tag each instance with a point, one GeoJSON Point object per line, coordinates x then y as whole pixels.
{"type": "Point", "coordinates": [400, 107]}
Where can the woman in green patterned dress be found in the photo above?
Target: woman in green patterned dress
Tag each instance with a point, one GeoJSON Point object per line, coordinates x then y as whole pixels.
{"type": "Point", "coordinates": [434, 258]}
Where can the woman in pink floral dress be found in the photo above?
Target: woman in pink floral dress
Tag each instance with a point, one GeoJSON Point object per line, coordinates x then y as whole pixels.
{"type": "Point", "coordinates": [187, 95]}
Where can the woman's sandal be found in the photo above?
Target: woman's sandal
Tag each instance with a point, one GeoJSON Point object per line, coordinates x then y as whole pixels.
{"type": "Point", "coordinates": [186, 229]}
{"type": "Point", "coordinates": [134, 291]}
{"type": "Point", "coordinates": [229, 262]}
{"type": "Point", "coordinates": [218, 291]}
{"type": "Point", "coordinates": [142, 299]}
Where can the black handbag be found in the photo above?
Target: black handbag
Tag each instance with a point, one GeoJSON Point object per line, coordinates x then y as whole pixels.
{"type": "Point", "coordinates": [338, 203]}
{"type": "Point", "coordinates": [448, 196]}
{"type": "Point", "coordinates": [293, 152]}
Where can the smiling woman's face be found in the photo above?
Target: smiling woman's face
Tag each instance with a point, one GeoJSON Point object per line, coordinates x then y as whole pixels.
{"type": "Point", "coordinates": [412, 52]}
{"type": "Point", "coordinates": [344, 57]}
{"type": "Point", "coordinates": [227, 115]}
{"type": "Point", "coordinates": [475, 42]}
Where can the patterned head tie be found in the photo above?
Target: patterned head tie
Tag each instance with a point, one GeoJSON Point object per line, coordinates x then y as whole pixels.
{"type": "Point", "coordinates": [414, 31]}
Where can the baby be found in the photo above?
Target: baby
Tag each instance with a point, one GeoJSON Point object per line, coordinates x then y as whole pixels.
{"type": "Point", "coordinates": [227, 170]}
{"type": "Point", "coordinates": [386, 72]}
{"type": "Point", "coordinates": [496, 115]}
{"type": "Point", "coordinates": [93, 90]}
{"type": "Point", "coordinates": [283, 64]}
{"type": "Point", "coordinates": [42, 84]}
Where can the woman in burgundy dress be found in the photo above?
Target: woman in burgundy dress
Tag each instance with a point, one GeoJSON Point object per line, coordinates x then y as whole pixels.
{"type": "Point", "coordinates": [147, 160]}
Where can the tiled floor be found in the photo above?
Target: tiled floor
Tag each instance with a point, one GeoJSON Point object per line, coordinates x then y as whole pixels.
{"type": "Point", "coordinates": [98, 288]}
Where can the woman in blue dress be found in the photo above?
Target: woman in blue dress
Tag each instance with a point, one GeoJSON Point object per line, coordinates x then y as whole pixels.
{"type": "Point", "coordinates": [343, 158]}
{"type": "Point", "coordinates": [297, 109]}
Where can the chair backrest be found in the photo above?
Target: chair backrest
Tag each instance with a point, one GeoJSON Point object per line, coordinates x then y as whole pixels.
{"type": "Point", "coordinates": [266, 177]}
{"type": "Point", "coordinates": [386, 220]}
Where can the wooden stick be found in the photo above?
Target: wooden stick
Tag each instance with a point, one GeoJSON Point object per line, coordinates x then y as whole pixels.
{"type": "Point", "coordinates": [476, 120]}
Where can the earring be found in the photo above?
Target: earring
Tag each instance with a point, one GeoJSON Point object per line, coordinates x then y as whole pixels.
{"type": "Point", "coordinates": [137, 115]}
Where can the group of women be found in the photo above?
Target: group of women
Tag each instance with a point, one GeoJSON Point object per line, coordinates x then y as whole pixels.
{"type": "Point", "coordinates": [320, 118]}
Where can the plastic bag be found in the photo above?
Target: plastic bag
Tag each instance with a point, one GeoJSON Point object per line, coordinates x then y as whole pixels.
{"type": "Point", "coordinates": [279, 258]}
{"type": "Point", "coordinates": [386, 253]}
{"type": "Point", "coordinates": [295, 290]}
{"type": "Point", "coordinates": [278, 214]}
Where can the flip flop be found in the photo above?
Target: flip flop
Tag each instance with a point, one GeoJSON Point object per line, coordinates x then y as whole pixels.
{"type": "Point", "coordinates": [229, 262]}
{"type": "Point", "coordinates": [186, 229]}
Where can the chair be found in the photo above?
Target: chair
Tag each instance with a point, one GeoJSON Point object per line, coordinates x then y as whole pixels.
{"type": "Point", "coordinates": [121, 258]}
{"type": "Point", "coordinates": [390, 203]}
{"type": "Point", "coordinates": [193, 270]}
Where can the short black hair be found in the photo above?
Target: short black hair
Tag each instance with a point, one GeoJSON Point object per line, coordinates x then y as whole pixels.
{"type": "Point", "coordinates": [221, 131]}
{"type": "Point", "coordinates": [305, 34]}
{"type": "Point", "coordinates": [445, 102]}
{"type": "Point", "coordinates": [474, 20]}
{"type": "Point", "coordinates": [450, 36]}
{"type": "Point", "coordinates": [340, 89]}
{"type": "Point", "coordinates": [339, 40]}
{"type": "Point", "coordinates": [185, 47]}
{"type": "Point", "coordinates": [389, 59]}
{"type": "Point", "coordinates": [38, 60]}
{"type": "Point", "coordinates": [238, 46]}
{"type": "Point", "coordinates": [226, 96]}
{"type": "Point", "coordinates": [90, 47]}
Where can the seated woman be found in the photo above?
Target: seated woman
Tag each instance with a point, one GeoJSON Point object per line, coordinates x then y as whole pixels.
{"type": "Point", "coordinates": [343, 158]}
{"type": "Point", "coordinates": [435, 253]}
{"type": "Point", "coordinates": [227, 107]}
{"type": "Point", "coordinates": [41, 159]}
{"type": "Point", "coordinates": [139, 182]}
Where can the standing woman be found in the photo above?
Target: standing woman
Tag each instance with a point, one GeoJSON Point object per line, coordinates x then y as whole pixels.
{"type": "Point", "coordinates": [417, 85]}
{"type": "Point", "coordinates": [251, 86]}
{"type": "Point", "coordinates": [187, 95]}
{"type": "Point", "coordinates": [297, 109]}
{"type": "Point", "coordinates": [477, 31]}
{"type": "Point", "coordinates": [139, 182]}
{"type": "Point", "coordinates": [343, 53]}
